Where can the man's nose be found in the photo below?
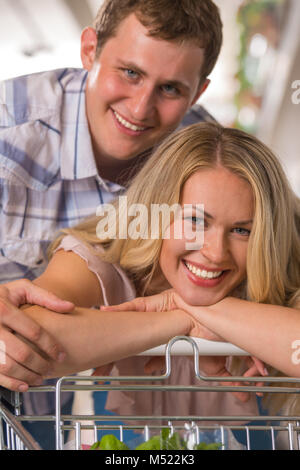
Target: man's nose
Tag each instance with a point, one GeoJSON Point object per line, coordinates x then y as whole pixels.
{"type": "Point", "coordinates": [215, 247]}
{"type": "Point", "coordinates": [142, 103]}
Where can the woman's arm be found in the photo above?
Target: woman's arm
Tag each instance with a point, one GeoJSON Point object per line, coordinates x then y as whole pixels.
{"type": "Point", "coordinates": [91, 337]}
{"type": "Point", "coordinates": [268, 332]}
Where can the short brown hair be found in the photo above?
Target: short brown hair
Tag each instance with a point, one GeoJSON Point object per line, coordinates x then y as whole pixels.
{"type": "Point", "coordinates": [197, 21]}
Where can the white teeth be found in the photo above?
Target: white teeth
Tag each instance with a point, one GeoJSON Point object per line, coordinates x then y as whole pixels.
{"type": "Point", "coordinates": [127, 124]}
{"type": "Point", "coordinates": [203, 273]}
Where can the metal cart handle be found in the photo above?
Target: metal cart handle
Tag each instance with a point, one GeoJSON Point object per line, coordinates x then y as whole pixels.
{"type": "Point", "coordinates": [182, 347]}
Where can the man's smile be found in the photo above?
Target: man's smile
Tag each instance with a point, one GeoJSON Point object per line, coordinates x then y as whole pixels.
{"type": "Point", "coordinates": [127, 124]}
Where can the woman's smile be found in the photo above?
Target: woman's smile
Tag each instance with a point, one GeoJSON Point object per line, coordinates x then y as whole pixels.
{"type": "Point", "coordinates": [205, 276]}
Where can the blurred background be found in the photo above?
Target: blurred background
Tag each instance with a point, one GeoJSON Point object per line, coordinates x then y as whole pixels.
{"type": "Point", "coordinates": [255, 85]}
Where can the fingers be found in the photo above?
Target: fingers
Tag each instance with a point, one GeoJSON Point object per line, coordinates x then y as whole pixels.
{"type": "Point", "coordinates": [241, 396]}
{"type": "Point", "coordinates": [156, 363]}
{"type": "Point", "coordinates": [25, 292]}
{"type": "Point", "coordinates": [213, 365]}
{"type": "Point", "coordinates": [153, 303]}
{"type": "Point", "coordinates": [254, 370]}
{"type": "Point", "coordinates": [103, 371]}
{"type": "Point", "coordinates": [23, 354]}
{"type": "Point", "coordinates": [13, 384]}
{"type": "Point", "coordinates": [19, 322]}
{"type": "Point", "coordinates": [137, 304]}
{"type": "Point", "coordinates": [37, 296]}
{"type": "Point", "coordinates": [260, 366]}
{"type": "Point", "coordinates": [13, 371]}
{"type": "Point", "coordinates": [125, 307]}
{"type": "Point", "coordinates": [13, 375]}
{"type": "Point", "coordinates": [256, 367]}
{"type": "Point", "coordinates": [216, 366]}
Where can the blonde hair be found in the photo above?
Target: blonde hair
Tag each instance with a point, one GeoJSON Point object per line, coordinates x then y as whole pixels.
{"type": "Point", "coordinates": [273, 261]}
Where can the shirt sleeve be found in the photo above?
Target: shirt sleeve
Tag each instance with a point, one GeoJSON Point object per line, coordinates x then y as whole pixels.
{"type": "Point", "coordinates": [115, 284]}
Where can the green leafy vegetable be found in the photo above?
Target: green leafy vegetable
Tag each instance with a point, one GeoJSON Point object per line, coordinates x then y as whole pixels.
{"type": "Point", "coordinates": [109, 442]}
{"type": "Point", "coordinates": [163, 441]}
{"type": "Point", "coordinates": [204, 446]}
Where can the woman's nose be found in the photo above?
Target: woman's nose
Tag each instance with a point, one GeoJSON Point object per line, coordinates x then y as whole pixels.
{"type": "Point", "coordinates": [215, 247]}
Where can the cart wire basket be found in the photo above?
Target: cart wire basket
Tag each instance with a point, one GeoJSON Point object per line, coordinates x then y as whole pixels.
{"type": "Point", "coordinates": [282, 432]}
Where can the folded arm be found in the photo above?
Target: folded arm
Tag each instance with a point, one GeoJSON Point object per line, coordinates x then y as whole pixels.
{"type": "Point", "coordinates": [268, 332]}
{"type": "Point", "coordinates": [91, 337]}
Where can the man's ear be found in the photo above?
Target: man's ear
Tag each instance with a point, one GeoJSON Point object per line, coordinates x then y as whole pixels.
{"type": "Point", "coordinates": [88, 47]}
{"type": "Point", "coordinates": [201, 89]}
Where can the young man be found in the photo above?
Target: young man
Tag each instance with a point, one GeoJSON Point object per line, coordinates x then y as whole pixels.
{"type": "Point", "coordinates": [72, 139]}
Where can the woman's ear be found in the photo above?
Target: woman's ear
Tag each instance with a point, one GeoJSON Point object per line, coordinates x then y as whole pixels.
{"type": "Point", "coordinates": [88, 47]}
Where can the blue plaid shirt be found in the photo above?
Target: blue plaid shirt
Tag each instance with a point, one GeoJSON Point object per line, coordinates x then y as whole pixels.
{"type": "Point", "coordinates": [48, 174]}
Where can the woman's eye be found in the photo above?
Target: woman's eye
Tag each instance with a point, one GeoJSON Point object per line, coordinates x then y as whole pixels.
{"type": "Point", "coordinates": [242, 231]}
{"type": "Point", "coordinates": [195, 220]}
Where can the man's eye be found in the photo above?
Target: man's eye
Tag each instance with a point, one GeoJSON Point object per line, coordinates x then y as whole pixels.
{"type": "Point", "coordinates": [170, 90]}
{"type": "Point", "coordinates": [130, 73]}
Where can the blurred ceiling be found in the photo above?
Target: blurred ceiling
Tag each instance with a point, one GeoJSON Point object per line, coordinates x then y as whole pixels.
{"type": "Point", "coordinates": [35, 30]}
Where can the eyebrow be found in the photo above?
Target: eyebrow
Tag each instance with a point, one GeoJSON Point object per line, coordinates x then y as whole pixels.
{"type": "Point", "coordinates": [174, 83]}
{"type": "Point", "coordinates": [239, 222]}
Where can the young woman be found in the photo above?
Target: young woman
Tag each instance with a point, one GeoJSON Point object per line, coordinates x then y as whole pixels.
{"type": "Point", "coordinates": [249, 264]}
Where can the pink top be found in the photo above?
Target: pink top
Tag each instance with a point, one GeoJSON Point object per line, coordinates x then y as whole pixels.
{"type": "Point", "coordinates": [117, 288]}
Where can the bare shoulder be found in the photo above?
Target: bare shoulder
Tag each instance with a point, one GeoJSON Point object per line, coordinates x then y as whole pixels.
{"type": "Point", "coordinates": [68, 276]}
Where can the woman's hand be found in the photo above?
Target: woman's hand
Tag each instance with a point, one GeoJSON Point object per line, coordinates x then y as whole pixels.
{"type": "Point", "coordinates": [162, 302]}
{"type": "Point", "coordinates": [165, 301]}
{"type": "Point", "coordinates": [103, 371]}
{"type": "Point", "coordinates": [216, 366]}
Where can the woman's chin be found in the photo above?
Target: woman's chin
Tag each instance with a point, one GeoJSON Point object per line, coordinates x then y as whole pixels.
{"type": "Point", "coordinates": [203, 301]}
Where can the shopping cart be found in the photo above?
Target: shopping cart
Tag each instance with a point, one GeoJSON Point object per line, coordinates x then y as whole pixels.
{"type": "Point", "coordinates": [283, 431]}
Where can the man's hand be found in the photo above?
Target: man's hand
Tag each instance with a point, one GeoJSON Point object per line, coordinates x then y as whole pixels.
{"type": "Point", "coordinates": [22, 365]}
